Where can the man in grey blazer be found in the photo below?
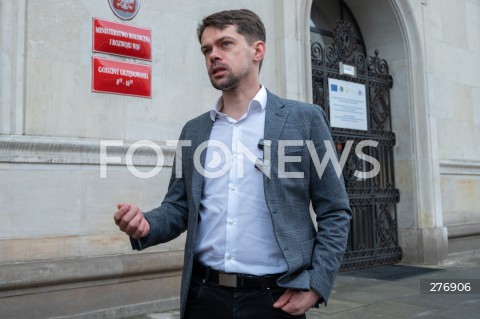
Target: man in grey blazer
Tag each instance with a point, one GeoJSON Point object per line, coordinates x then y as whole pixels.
{"type": "Point", "coordinates": [244, 177]}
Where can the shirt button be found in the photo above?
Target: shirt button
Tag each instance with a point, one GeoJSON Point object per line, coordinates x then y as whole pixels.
{"type": "Point", "coordinates": [231, 222]}
{"type": "Point", "coordinates": [236, 124]}
{"type": "Point", "coordinates": [232, 188]}
{"type": "Point", "coordinates": [229, 257]}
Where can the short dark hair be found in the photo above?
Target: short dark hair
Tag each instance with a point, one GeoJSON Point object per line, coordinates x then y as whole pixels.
{"type": "Point", "coordinates": [247, 22]}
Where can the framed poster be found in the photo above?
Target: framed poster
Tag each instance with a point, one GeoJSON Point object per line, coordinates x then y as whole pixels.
{"type": "Point", "coordinates": [348, 105]}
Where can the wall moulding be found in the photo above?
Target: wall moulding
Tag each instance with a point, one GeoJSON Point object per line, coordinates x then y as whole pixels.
{"type": "Point", "coordinates": [465, 230]}
{"type": "Point", "coordinates": [61, 150]}
{"type": "Point", "coordinates": [48, 275]}
{"type": "Point", "coordinates": [460, 168]}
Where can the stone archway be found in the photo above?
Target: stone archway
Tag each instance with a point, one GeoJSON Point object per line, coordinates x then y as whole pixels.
{"type": "Point", "coordinates": [390, 28]}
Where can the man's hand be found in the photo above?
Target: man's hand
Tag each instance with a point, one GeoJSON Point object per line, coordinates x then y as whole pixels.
{"type": "Point", "coordinates": [131, 221]}
{"type": "Point", "coordinates": [297, 302]}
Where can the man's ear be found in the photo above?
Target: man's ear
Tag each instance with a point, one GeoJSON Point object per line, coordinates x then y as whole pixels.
{"type": "Point", "coordinates": [259, 50]}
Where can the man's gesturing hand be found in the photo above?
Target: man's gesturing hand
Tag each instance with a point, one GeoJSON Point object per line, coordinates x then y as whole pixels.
{"type": "Point", "coordinates": [131, 221]}
{"type": "Point", "coordinates": [297, 302]}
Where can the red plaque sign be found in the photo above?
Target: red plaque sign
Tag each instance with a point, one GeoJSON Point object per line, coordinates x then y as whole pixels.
{"type": "Point", "coordinates": [110, 76]}
{"type": "Point", "coordinates": [121, 39]}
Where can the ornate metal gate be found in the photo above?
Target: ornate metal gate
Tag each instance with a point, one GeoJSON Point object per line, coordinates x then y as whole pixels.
{"type": "Point", "coordinates": [373, 231]}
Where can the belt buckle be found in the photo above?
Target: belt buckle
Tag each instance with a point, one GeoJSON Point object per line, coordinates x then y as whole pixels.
{"type": "Point", "coordinates": [227, 280]}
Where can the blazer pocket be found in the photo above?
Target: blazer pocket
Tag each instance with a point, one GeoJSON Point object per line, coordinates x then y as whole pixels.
{"type": "Point", "coordinates": [285, 147]}
{"type": "Point", "coordinates": [294, 150]}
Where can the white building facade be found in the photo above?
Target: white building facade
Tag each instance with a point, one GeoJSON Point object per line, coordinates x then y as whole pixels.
{"type": "Point", "coordinates": [61, 254]}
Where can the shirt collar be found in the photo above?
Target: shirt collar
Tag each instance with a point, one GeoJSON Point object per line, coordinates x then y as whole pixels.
{"type": "Point", "coordinates": [260, 99]}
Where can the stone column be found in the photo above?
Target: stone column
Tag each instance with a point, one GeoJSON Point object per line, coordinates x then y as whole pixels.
{"type": "Point", "coordinates": [12, 64]}
{"type": "Point", "coordinates": [292, 45]}
{"type": "Point", "coordinates": [426, 240]}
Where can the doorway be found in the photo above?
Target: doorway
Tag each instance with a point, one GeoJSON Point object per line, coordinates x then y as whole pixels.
{"type": "Point", "coordinates": [339, 61]}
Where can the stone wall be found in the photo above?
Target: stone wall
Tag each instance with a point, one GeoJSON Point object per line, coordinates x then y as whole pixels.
{"type": "Point", "coordinates": [452, 65]}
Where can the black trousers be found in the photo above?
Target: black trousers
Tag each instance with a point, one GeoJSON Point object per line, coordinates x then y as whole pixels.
{"type": "Point", "coordinates": [211, 301]}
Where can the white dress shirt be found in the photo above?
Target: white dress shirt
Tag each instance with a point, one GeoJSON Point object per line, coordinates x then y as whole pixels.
{"type": "Point", "coordinates": [235, 231]}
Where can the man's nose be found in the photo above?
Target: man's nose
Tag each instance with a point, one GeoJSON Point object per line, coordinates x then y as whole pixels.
{"type": "Point", "coordinates": [215, 54]}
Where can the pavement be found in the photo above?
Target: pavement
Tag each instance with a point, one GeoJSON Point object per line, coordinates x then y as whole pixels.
{"type": "Point", "coordinates": [397, 291]}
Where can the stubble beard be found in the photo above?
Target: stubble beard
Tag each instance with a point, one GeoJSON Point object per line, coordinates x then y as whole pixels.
{"type": "Point", "coordinates": [231, 81]}
{"type": "Point", "coordinates": [227, 84]}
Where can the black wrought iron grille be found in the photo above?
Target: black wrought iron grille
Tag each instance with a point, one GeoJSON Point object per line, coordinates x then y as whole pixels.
{"type": "Point", "coordinates": [373, 236]}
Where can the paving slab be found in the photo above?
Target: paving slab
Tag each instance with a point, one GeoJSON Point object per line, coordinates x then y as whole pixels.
{"type": "Point", "coordinates": [442, 302]}
{"type": "Point", "coordinates": [466, 310]}
{"type": "Point", "coordinates": [336, 305]}
{"type": "Point", "coordinates": [384, 310]}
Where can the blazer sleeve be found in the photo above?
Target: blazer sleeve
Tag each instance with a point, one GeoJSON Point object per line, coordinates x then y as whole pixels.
{"type": "Point", "coordinates": [331, 206]}
{"type": "Point", "coordinates": [170, 219]}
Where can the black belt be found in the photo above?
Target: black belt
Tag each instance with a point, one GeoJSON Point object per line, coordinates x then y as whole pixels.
{"type": "Point", "coordinates": [234, 280]}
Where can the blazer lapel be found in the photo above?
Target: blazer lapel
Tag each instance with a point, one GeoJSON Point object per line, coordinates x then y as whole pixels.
{"type": "Point", "coordinates": [202, 135]}
{"type": "Point", "coordinates": [275, 116]}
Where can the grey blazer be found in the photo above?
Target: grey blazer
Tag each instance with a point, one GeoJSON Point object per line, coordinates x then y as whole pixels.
{"type": "Point", "coordinates": [313, 256]}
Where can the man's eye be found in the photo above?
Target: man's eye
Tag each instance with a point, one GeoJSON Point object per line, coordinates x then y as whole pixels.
{"type": "Point", "coordinates": [206, 51]}
{"type": "Point", "coordinates": [226, 43]}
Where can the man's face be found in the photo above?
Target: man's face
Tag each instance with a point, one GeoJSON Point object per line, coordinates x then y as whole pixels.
{"type": "Point", "coordinates": [228, 57]}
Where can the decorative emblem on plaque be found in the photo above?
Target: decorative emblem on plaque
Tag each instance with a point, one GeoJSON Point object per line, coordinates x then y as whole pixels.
{"type": "Point", "coordinates": [125, 9]}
